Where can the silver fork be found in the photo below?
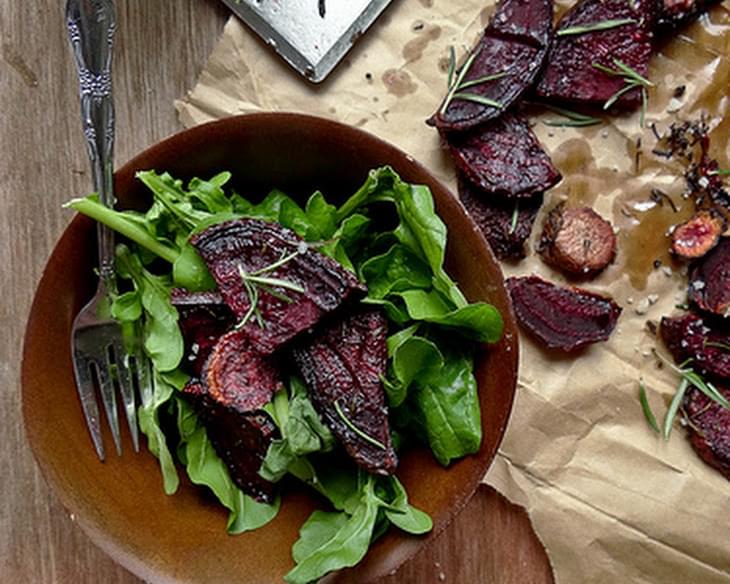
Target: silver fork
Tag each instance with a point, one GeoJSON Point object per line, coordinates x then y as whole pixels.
{"type": "Point", "coordinates": [99, 355]}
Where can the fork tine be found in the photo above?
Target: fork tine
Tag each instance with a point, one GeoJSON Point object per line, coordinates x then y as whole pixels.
{"type": "Point", "coordinates": [109, 400]}
{"type": "Point", "coordinates": [87, 397]}
{"type": "Point", "coordinates": [144, 378]}
{"type": "Point", "coordinates": [126, 388]}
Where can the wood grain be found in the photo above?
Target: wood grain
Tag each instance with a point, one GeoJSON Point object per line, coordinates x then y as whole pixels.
{"type": "Point", "coordinates": [161, 47]}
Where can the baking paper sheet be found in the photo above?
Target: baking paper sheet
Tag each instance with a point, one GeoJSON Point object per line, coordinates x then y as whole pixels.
{"type": "Point", "coordinates": [611, 501]}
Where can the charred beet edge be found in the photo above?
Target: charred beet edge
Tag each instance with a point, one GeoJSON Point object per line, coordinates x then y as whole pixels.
{"type": "Point", "coordinates": [505, 224]}
{"type": "Point", "coordinates": [237, 376]}
{"type": "Point", "coordinates": [241, 439]}
{"type": "Point", "coordinates": [250, 246]}
{"type": "Point", "coordinates": [515, 43]}
{"type": "Point", "coordinates": [578, 241]}
{"type": "Point", "coordinates": [343, 363]}
{"type": "Point", "coordinates": [709, 280]}
{"type": "Point", "coordinates": [706, 342]}
{"type": "Point", "coordinates": [504, 158]}
{"type": "Point", "coordinates": [562, 318]}
{"type": "Point", "coordinates": [570, 74]}
{"type": "Point", "coordinates": [204, 317]}
{"type": "Point", "coordinates": [676, 13]}
{"type": "Point", "coordinates": [709, 428]}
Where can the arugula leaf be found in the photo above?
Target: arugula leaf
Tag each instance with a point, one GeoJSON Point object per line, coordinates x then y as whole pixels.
{"type": "Point", "coordinates": [415, 357]}
{"type": "Point", "coordinates": [479, 320]}
{"type": "Point", "coordinates": [149, 425]}
{"type": "Point", "coordinates": [302, 430]}
{"type": "Point", "coordinates": [395, 270]}
{"type": "Point", "coordinates": [332, 540]}
{"type": "Point", "coordinates": [204, 467]}
{"type": "Point", "coordinates": [163, 340]}
{"type": "Point", "coordinates": [447, 404]}
{"type": "Point", "coordinates": [322, 217]}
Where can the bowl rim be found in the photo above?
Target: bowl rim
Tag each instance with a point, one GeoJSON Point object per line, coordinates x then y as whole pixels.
{"type": "Point", "coordinates": [95, 533]}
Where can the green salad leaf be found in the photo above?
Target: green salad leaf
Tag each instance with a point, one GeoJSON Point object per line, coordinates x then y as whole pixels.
{"type": "Point", "coordinates": [205, 467]}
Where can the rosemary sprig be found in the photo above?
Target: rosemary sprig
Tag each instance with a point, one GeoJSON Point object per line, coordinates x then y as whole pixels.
{"type": "Point", "coordinates": [689, 378]}
{"type": "Point", "coordinates": [632, 79]}
{"type": "Point", "coordinates": [515, 215]}
{"type": "Point", "coordinates": [717, 345]}
{"type": "Point", "coordinates": [456, 83]}
{"type": "Point", "coordinates": [674, 408]}
{"type": "Point", "coordinates": [573, 119]}
{"type": "Point", "coordinates": [253, 281]}
{"type": "Point", "coordinates": [595, 26]}
{"type": "Point", "coordinates": [369, 439]}
{"type": "Point", "coordinates": [648, 413]}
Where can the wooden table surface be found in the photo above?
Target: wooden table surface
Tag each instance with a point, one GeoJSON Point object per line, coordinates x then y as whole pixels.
{"type": "Point", "coordinates": [161, 47]}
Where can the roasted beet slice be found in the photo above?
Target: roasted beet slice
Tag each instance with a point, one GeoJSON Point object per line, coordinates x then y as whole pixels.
{"type": "Point", "coordinates": [506, 224]}
{"type": "Point", "coordinates": [515, 44]}
{"type": "Point", "coordinates": [698, 235]}
{"type": "Point", "coordinates": [243, 247]}
{"type": "Point", "coordinates": [241, 439]}
{"type": "Point", "coordinates": [709, 282]}
{"type": "Point", "coordinates": [204, 317]}
{"type": "Point", "coordinates": [236, 375]}
{"type": "Point", "coordinates": [504, 158]}
{"type": "Point", "coordinates": [706, 342]}
{"type": "Point", "coordinates": [709, 428]}
{"type": "Point", "coordinates": [577, 241]}
{"type": "Point", "coordinates": [676, 13]}
{"type": "Point", "coordinates": [343, 363]}
{"type": "Point", "coordinates": [562, 318]}
{"type": "Point", "coordinates": [570, 74]}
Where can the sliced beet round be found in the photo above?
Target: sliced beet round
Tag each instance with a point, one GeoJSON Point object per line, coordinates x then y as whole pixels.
{"type": "Point", "coordinates": [343, 364]}
{"type": "Point", "coordinates": [312, 283]}
{"type": "Point", "coordinates": [709, 428]}
{"type": "Point", "coordinates": [562, 318]}
{"type": "Point", "coordinates": [505, 224]}
{"type": "Point", "coordinates": [705, 341]}
{"type": "Point", "coordinates": [237, 376]}
{"type": "Point", "coordinates": [513, 46]}
{"type": "Point", "coordinates": [570, 74]}
{"type": "Point", "coordinates": [698, 235]}
{"type": "Point", "coordinates": [204, 318]}
{"type": "Point", "coordinates": [577, 241]}
{"type": "Point", "coordinates": [709, 281]}
{"type": "Point", "coordinates": [241, 439]}
{"type": "Point", "coordinates": [504, 158]}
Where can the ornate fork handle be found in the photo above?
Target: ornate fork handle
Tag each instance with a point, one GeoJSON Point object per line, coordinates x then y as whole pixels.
{"type": "Point", "coordinates": [91, 25]}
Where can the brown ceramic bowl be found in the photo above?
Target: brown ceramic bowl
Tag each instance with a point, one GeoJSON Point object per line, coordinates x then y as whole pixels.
{"type": "Point", "coordinates": [182, 538]}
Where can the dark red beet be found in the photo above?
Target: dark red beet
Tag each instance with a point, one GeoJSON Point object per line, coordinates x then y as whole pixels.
{"type": "Point", "coordinates": [676, 13]}
{"type": "Point", "coordinates": [577, 241]}
{"type": "Point", "coordinates": [240, 439]}
{"type": "Point", "coordinates": [237, 376]}
{"type": "Point", "coordinates": [562, 318]}
{"type": "Point", "coordinates": [253, 245]}
{"type": "Point", "coordinates": [709, 281]}
{"type": "Point", "coordinates": [709, 428]}
{"type": "Point", "coordinates": [516, 42]}
{"type": "Point", "coordinates": [706, 342]}
{"type": "Point", "coordinates": [505, 232]}
{"type": "Point", "coordinates": [343, 363]}
{"type": "Point", "coordinates": [204, 317]}
{"type": "Point", "coordinates": [504, 158]}
{"type": "Point", "coordinates": [570, 74]}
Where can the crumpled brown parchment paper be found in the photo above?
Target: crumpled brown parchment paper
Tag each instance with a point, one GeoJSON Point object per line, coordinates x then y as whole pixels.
{"type": "Point", "coordinates": [611, 501]}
